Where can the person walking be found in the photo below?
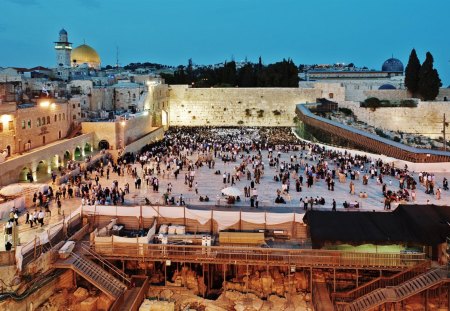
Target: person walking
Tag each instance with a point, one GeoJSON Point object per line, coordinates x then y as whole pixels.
{"type": "Point", "coordinates": [334, 206]}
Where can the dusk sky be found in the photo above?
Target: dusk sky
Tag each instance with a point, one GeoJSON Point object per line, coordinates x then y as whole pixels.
{"type": "Point", "coordinates": [210, 31]}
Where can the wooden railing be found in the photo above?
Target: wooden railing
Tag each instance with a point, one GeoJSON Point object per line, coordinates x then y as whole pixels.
{"type": "Point", "coordinates": [380, 282]}
{"type": "Point", "coordinates": [259, 256]}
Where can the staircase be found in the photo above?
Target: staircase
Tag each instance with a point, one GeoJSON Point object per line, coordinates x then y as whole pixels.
{"type": "Point", "coordinates": [94, 274]}
{"type": "Point", "coordinates": [398, 293]}
{"type": "Point", "coordinates": [340, 298]}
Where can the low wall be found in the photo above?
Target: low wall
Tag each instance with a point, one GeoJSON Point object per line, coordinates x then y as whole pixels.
{"type": "Point", "coordinates": [155, 135]}
{"type": "Point", "coordinates": [370, 142]}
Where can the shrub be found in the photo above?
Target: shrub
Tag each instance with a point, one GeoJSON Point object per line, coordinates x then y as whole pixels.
{"type": "Point", "coordinates": [193, 117]}
{"type": "Point", "coordinates": [372, 103]}
{"type": "Point", "coordinates": [248, 112]}
{"type": "Point", "coordinates": [260, 113]}
{"type": "Point", "coordinates": [296, 120]}
{"type": "Point", "coordinates": [276, 112]}
{"type": "Point", "coordinates": [346, 111]}
{"type": "Point", "coordinates": [381, 133]}
{"type": "Point", "coordinates": [224, 109]}
{"type": "Point", "coordinates": [408, 103]}
{"type": "Point", "coordinates": [397, 139]}
{"type": "Point", "coordinates": [240, 122]}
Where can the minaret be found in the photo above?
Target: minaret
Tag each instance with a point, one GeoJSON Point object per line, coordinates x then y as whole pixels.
{"type": "Point", "coordinates": [63, 49]}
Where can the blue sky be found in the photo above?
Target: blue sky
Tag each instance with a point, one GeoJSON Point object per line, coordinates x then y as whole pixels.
{"type": "Point", "coordinates": [210, 31]}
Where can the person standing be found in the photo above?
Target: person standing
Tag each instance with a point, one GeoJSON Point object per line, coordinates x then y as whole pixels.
{"type": "Point", "coordinates": [334, 206]}
{"type": "Point", "coordinates": [41, 216]}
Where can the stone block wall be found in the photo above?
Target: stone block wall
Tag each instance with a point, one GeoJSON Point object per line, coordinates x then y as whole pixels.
{"type": "Point", "coordinates": [237, 106]}
{"type": "Point", "coordinates": [425, 119]}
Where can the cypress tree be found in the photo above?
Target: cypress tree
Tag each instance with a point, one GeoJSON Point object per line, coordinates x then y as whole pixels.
{"type": "Point", "coordinates": [429, 81]}
{"type": "Point", "coordinates": [412, 73]}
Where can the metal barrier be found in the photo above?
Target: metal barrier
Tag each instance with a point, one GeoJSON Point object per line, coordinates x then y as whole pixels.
{"type": "Point", "coordinates": [257, 256]}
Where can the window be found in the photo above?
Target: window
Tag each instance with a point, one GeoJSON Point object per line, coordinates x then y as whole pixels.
{"type": "Point", "coordinates": [43, 121]}
{"type": "Point", "coordinates": [48, 119]}
{"type": "Point", "coordinates": [74, 117]}
{"type": "Point", "coordinates": [29, 124]}
{"type": "Point", "coordinates": [23, 124]}
{"type": "Point", "coordinates": [64, 116]}
{"type": "Point", "coordinates": [38, 122]}
{"type": "Point", "coordinates": [56, 118]}
{"type": "Point", "coordinates": [73, 106]}
{"type": "Point", "coordinates": [79, 104]}
{"type": "Point", "coordinates": [1, 127]}
{"type": "Point", "coordinates": [331, 95]}
{"type": "Point", "coordinates": [11, 125]}
{"type": "Point", "coordinates": [59, 117]}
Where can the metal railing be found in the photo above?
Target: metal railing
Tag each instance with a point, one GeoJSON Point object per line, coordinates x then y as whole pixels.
{"type": "Point", "coordinates": [263, 256]}
{"type": "Point", "coordinates": [381, 282]}
{"type": "Point", "coordinates": [90, 252]}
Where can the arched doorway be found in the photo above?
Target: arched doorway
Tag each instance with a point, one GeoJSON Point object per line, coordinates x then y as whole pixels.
{"type": "Point", "coordinates": [87, 148]}
{"type": "Point", "coordinates": [8, 149]}
{"type": "Point", "coordinates": [103, 144]}
{"type": "Point", "coordinates": [77, 153]}
{"type": "Point", "coordinates": [42, 171]}
{"type": "Point", "coordinates": [67, 156]}
{"type": "Point", "coordinates": [24, 175]}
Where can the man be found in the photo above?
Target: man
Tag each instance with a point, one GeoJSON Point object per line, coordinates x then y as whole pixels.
{"type": "Point", "coordinates": [41, 216]}
{"type": "Point", "coordinates": [334, 206]}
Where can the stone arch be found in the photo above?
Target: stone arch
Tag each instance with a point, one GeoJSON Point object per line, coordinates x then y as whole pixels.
{"type": "Point", "coordinates": [77, 153]}
{"type": "Point", "coordinates": [42, 170]}
{"type": "Point", "coordinates": [24, 174]}
{"type": "Point", "coordinates": [103, 144]}
{"type": "Point", "coordinates": [87, 148]}
{"type": "Point", "coordinates": [67, 156]}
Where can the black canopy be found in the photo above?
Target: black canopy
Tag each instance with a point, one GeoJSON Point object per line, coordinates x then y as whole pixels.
{"type": "Point", "coordinates": [415, 224]}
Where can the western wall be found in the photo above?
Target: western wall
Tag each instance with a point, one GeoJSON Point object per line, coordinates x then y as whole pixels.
{"type": "Point", "coordinates": [237, 106]}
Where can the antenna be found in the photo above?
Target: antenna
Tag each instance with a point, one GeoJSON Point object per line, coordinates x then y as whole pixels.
{"type": "Point", "coordinates": [117, 56]}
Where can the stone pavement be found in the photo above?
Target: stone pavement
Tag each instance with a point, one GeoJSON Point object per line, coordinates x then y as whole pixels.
{"type": "Point", "coordinates": [211, 185]}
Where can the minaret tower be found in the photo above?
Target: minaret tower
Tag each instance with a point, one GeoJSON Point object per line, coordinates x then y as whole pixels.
{"type": "Point", "coordinates": [63, 49]}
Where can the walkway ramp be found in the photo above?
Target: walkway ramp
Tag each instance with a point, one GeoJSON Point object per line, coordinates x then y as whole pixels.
{"type": "Point", "coordinates": [399, 293]}
{"type": "Point", "coordinates": [321, 297]}
{"type": "Point", "coordinates": [94, 274]}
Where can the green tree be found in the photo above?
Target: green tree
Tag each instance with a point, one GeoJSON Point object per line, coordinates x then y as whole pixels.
{"type": "Point", "coordinates": [412, 73]}
{"type": "Point", "coordinates": [429, 81]}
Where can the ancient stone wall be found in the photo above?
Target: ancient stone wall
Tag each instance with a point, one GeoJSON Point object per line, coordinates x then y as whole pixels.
{"type": "Point", "coordinates": [426, 119]}
{"type": "Point", "coordinates": [237, 106]}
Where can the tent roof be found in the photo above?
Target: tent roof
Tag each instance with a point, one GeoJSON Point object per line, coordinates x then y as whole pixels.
{"type": "Point", "coordinates": [420, 224]}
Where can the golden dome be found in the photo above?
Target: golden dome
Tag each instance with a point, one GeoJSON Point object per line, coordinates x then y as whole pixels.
{"type": "Point", "coordinates": [84, 54]}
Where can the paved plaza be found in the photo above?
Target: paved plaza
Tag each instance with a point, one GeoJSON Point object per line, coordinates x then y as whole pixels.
{"type": "Point", "coordinates": [210, 184]}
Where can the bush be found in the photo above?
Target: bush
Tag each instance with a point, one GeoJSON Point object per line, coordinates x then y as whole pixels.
{"type": "Point", "coordinates": [346, 111]}
{"type": "Point", "coordinates": [296, 120]}
{"type": "Point", "coordinates": [260, 113]}
{"type": "Point", "coordinates": [276, 112]}
{"type": "Point", "coordinates": [408, 103]}
{"type": "Point", "coordinates": [248, 112]}
{"type": "Point", "coordinates": [372, 103]}
{"type": "Point", "coordinates": [381, 133]}
{"type": "Point", "coordinates": [397, 139]}
{"type": "Point", "coordinates": [240, 122]}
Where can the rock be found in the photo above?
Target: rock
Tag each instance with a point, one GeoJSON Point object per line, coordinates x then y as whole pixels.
{"type": "Point", "coordinates": [89, 304]}
{"type": "Point", "coordinates": [103, 302]}
{"type": "Point", "coordinates": [277, 302]}
{"type": "Point", "coordinates": [154, 305]}
{"type": "Point", "coordinates": [166, 294]}
{"type": "Point", "coordinates": [80, 294]}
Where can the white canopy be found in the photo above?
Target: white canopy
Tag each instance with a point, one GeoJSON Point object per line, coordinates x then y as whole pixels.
{"type": "Point", "coordinates": [231, 191]}
{"type": "Point", "coordinates": [11, 190]}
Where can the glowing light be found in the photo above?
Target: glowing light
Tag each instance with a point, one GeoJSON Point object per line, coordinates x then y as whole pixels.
{"type": "Point", "coordinates": [146, 113]}
{"type": "Point", "coordinates": [53, 105]}
{"type": "Point", "coordinates": [44, 104]}
{"type": "Point", "coordinates": [123, 123]}
{"type": "Point", "coordinates": [5, 118]}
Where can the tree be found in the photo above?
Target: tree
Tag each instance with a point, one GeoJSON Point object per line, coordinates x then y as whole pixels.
{"type": "Point", "coordinates": [429, 81]}
{"type": "Point", "coordinates": [412, 73]}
